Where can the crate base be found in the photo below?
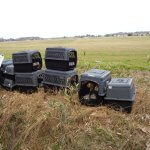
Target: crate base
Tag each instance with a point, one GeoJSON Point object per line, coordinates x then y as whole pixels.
{"type": "Point", "coordinates": [61, 79]}
{"type": "Point", "coordinates": [10, 84]}
{"type": "Point", "coordinates": [28, 79]}
{"type": "Point", "coordinates": [125, 106]}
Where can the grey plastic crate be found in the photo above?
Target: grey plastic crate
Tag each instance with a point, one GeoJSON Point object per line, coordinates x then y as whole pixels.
{"type": "Point", "coordinates": [27, 61]}
{"type": "Point", "coordinates": [99, 77]}
{"type": "Point", "coordinates": [6, 63]}
{"type": "Point", "coordinates": [59, 78]}
{"type": "Point", "coordinates": [59, 58]}
{"type": "Point", "coordinates": [59, 53]}
{"type": "Point", "coordinates": [28, 79]}
{"type": "Point", "coordinates": [8, 83]}
{"type": "Point", "coordinates": [7, 75]}
{"type": "Point", "coordinates": [121, 91]}
{"type": "Point", "coordinates": [9, 69]}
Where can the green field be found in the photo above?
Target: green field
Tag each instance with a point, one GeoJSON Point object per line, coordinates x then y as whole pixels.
{"type": "Point", "coordinates": [129, 53]}
{"type": "Point", "coordinates": [57, 121]}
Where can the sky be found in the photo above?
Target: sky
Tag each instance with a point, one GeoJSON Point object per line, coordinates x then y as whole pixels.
{"type": "Point", "coordinates": [57, 18]}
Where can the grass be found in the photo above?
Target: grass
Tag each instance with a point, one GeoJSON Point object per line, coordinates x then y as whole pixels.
{"type": "Point", "coordinates": [130, 53]}
{"type": "Point", "coordinates": [57, 120]}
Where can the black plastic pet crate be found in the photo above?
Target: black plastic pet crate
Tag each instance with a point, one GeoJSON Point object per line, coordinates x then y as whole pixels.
{"type": "Point", "coordinates": [9, 72]}
{"type": "Point", "coordinates": [93, 86]}
{"type": "Point", "coordinates": [6, 71]}
{"type": "Point", "coordinates": [60, 78]}
{"type": "Point", "coordinates": [121, 94]}
{"type": "Point", "coordinates": [8, 77]}
{"type": "Point", "coordinates": [59, 58]}
{"type": "Point", "coordinates": [27, 61]}
{"type": "Point", "coordinates": [5, 63]}
{"type": "Point", "coordinates": [8, 83]}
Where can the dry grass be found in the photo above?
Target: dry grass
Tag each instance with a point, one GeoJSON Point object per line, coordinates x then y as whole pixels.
{"type": "Point", "coordinates": [56, 121]}
{"type": "Point", "coordinates": [53, 121]}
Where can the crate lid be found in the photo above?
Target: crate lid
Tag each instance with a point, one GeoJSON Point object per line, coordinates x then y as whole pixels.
{"type": "Point", "coordinates": [121, 82]}
{"type": "Point", "coordinates": [95, 73]}
{"type": "Point", "coordinates": [59, 48]}
{"type": "Point", "coordinates": [25, 52]}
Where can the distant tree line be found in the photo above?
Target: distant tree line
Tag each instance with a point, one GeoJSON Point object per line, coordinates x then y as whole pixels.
{"type": "Point", "coordinates": [119, 34]}
{"type": "Point", "coordinates": [87, 35]}
{"type": "Point", "coordinates": [141, 33]}
{"type": "Point", "coordinates": [20, 39]}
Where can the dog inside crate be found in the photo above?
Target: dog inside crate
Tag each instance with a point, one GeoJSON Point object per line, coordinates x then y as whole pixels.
{"type": "Point", "coordinates": [88, 93]}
